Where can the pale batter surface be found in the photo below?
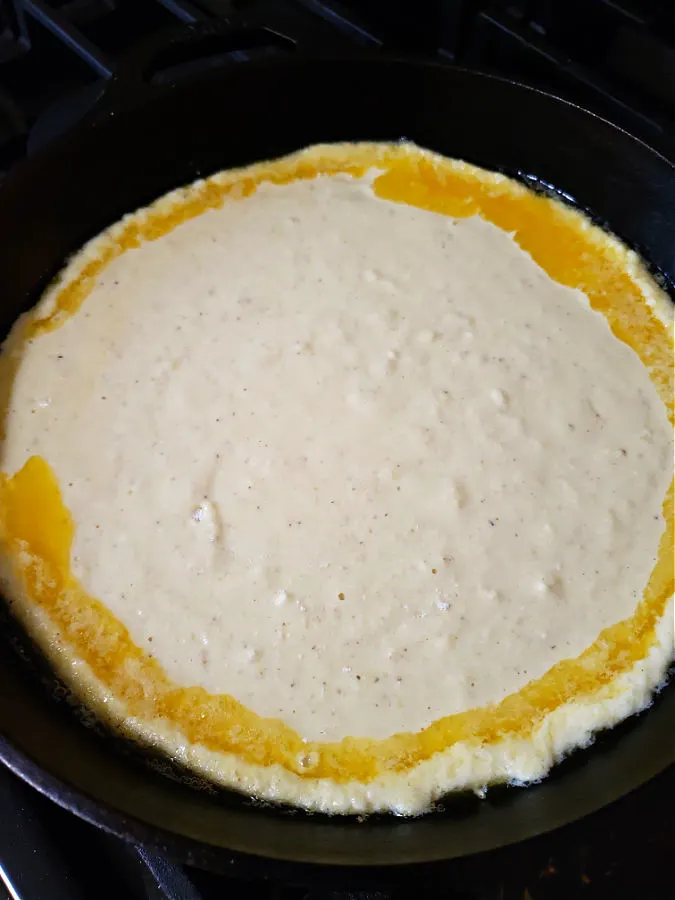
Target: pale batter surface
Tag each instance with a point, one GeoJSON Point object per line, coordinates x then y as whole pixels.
{"type": "Point", "coordinates": [357, 464]}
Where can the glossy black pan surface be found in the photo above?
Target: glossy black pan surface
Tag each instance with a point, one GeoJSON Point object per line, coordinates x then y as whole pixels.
{"type": "Point", "coordinates": [171, 135]}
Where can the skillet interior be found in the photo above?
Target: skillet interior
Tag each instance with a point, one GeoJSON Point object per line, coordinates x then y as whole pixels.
{"type": "Point", "coordinates": [59, 199]}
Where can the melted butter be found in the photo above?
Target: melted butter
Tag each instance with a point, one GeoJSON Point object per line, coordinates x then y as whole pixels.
{"type": "Point", "coordinates": [559, 242]}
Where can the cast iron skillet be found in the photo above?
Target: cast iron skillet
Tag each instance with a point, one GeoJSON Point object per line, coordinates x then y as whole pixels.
{"type": "Point", "coordinates": [171, 134]}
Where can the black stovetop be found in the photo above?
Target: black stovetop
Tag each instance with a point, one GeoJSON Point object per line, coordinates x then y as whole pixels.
{"type": "Point", "coordinates": [616, 57]}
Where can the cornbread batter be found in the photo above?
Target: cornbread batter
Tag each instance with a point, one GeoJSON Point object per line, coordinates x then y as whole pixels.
{"type": "Point", "coordinates": [357, 464]}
